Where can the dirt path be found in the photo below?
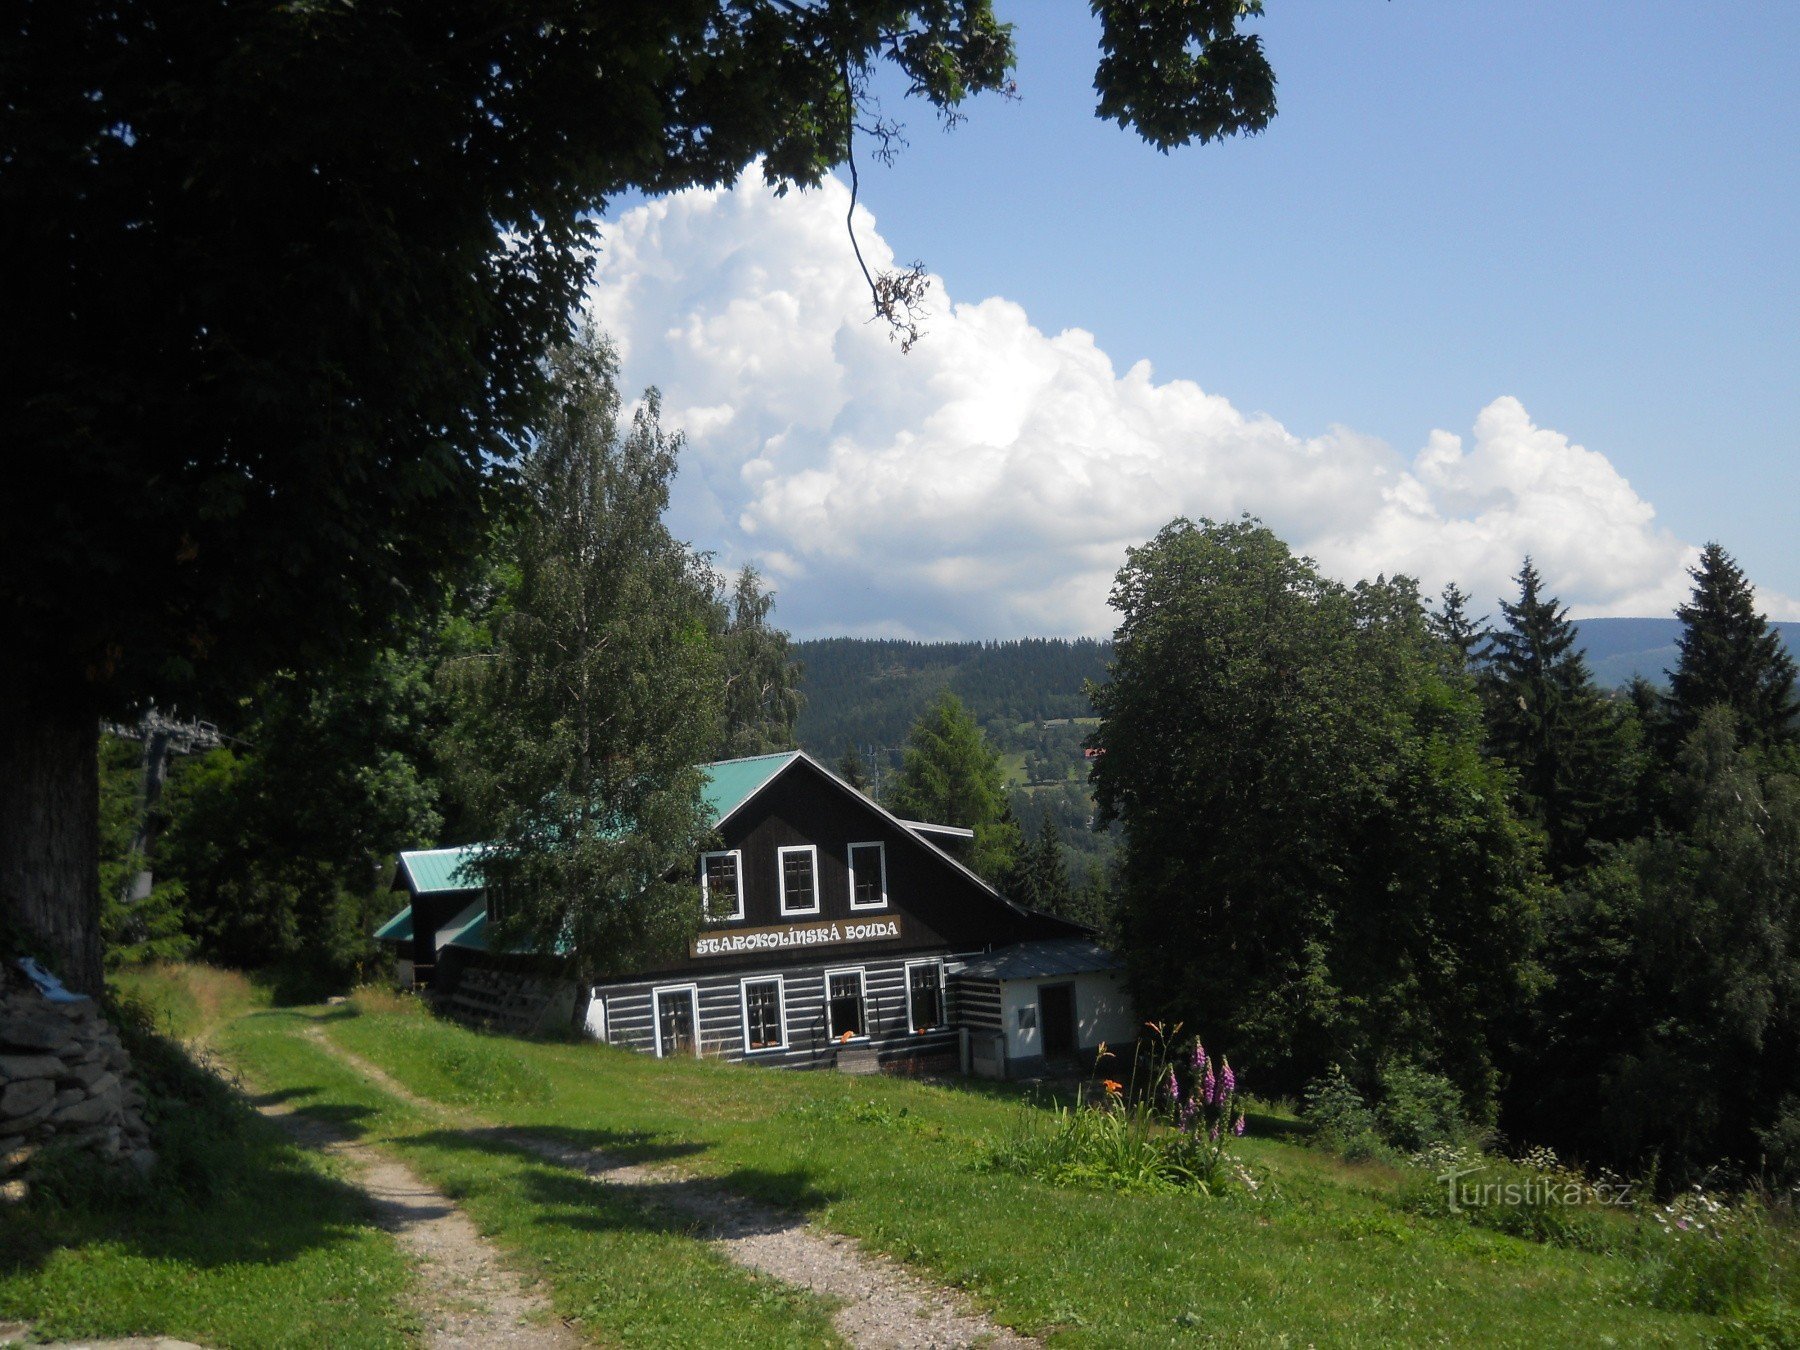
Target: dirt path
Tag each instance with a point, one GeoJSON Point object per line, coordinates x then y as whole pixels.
{"type": "Point", "coordinates": [464, 1296]}
{"type": "Point", "coordinates": [885, 1306]}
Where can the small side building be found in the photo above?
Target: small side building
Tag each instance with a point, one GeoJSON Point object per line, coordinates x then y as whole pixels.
{"type": "Point", "coordinates": [833, 933]}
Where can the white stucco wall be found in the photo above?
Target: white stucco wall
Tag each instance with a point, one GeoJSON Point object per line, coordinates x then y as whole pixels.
{"type": "Point", "coordinates": [1103, 1012]}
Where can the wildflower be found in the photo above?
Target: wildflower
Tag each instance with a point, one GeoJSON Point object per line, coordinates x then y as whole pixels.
{"type": "Point", "coordinates": [1190, 1109]}
{"type": "Point", "coordinates": [1209, 1087]}
{"type": "Point", "coordinates": [1113, 1087]}
{"type": "Point", "coordinates": [1215, 1134]}
{"type": "Point", "coordinates": [1229, 1083]}
{"type": "Point", "coordinates": [1173, 1088]}
{"type": "Point", "coordinates": [1238, 1129]}
{"type": "Point", "coordinates": [1199, 1058]}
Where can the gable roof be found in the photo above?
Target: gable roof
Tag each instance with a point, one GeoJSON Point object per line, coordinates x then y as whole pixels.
{"type": "Point", "coordinates": [732, 782]}
{"type": "Point", "coordinates": [730, 785]}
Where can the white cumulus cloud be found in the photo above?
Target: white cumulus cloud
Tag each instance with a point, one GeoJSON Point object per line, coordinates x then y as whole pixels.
{"type": "Point", "coordinates": [989, 483]}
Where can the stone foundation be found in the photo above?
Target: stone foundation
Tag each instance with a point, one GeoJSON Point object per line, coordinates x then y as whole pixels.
{"type": "Point", "coordinates": [64, 1079]}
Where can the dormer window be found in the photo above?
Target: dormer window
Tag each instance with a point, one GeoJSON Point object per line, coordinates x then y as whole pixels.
{"type": "Point", "coordinates": [868, 876]}
{"type": "Point", "coordinates": [721, 886]}
{"type": "Point", "coordinates": [799, 879]}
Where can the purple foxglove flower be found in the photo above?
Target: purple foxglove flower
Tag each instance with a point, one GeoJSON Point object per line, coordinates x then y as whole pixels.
{"type": "Point", "coordinates": [1229, 1082]}
{"type": "Point", "coordinates": [1238, 1129]}
{"type": "Point", "coordinates": [1215, 1134]}
{"type": "Point", "coordinates": [1173, 1088]}
{"type": "Point", "coordinates": [1209, 1087]}
{"type": "Point", "coordinates": [1199, 1058]}
{"type": "Point", "coordinates": [1190, 1109]}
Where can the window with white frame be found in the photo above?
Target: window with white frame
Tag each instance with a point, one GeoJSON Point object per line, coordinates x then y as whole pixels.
{"type": "Point", "coordinates": [925, 995]}
{"type": "Point", "coordinates": [765, 1025]}
{"type": "Point", "coordinates": [799, 879]}
{"type": "Point", "coordinates": [844, 1004]}
{"type": "Point", "coordinates": [868, 876]}
{"type": "Point", "coordinates": [721, 885]}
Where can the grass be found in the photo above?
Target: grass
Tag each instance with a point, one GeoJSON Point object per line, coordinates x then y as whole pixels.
{"type": "Point", "coordinates": [238, 1239]}
{"type": "Point", "coordinates": [1336, 1253]}
{"type": "Point", "coordinates": [1332, 1258]}
{"type": "Point", "coordinates": [619, 1269]}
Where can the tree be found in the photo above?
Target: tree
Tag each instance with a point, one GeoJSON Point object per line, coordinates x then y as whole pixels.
{"type": "Point", "coordinates": [1041, 879]}
{"type": "Point", "coordinates": [1730, 655]}
{"type": "Point", "coordinates": [1458, 632]}
{"type": "Point", "coordinates": [852, 770]}
{"type": "Point", "coordinates": [951, 775]}
{"type": "Point", "coordinates": [1319, 863]}
{"type": "Point", "coordinates": [762, 682]}
{"type": "Point", "coordinates": [293, 270]}
{"type": "Point", "coordinates": [581, 733]}
{"type": "Point", "coordinates": [1575, 753]}
{"type": "Point", "coordinates": [1672, 1031]}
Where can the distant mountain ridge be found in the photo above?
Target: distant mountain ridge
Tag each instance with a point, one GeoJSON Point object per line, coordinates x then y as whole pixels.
{"type": "Point", "coordinates": [1618, 650]}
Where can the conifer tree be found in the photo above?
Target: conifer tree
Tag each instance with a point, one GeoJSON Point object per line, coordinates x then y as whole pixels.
{"type": "Point", "coordinates": [1041, 880]}
{"type": "Point", "coordinates": [1730, 655]}
{"type": "Point", "coordinates": [1574, 753]}
{"type": "Point", "coordinates": [951, 775]}
{"type": "Point", "coordinates": [1451, 624]}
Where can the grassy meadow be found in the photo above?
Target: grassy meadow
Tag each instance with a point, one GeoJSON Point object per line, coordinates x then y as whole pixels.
{"type": "Point", "coordinates": [1329, 1252]}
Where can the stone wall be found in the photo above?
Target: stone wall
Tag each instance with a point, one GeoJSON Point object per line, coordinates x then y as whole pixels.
{"type": "Point", "coordinates": [64, 1079]}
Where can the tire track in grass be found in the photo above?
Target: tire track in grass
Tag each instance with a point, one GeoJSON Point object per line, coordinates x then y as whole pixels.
{"type": "Point", "coordinates": [884, 1306]}
{"type": "Point", "coordinates": [466, 1297]}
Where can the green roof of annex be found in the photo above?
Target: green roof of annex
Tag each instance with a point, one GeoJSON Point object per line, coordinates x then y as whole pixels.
{"type": "Point", "coordinates": [729, 784]}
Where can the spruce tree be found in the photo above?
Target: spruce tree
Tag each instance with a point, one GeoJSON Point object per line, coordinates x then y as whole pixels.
{"type": "Point", "coordinates": [1730, 656]}
{"type": "Point", "coordinates": [951, 775]}
{"type": "Point", "coordinates": [1041, 880]}
{"type": "Point", "coordinates": [1574, 752]}
{"type": "Point", "coordinates": [1451, 624]}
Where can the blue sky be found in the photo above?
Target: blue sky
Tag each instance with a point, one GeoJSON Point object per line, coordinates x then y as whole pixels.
{"type": "Point", "coordinates": [1589, 211]}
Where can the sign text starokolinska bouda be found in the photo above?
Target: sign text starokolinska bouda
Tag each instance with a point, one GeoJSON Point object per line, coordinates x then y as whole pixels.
{"type": "Point", "coordinates": [794, 935]}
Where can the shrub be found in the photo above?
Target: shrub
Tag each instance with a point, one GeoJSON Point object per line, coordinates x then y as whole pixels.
{"type": "Point", "coordinates": [1343, 1120]}
{"type": "Point", "coordinates": [1418, 1109]}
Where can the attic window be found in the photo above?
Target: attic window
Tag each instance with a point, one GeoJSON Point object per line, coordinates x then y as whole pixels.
{"type": "Point", "coordinates": [721, 889]}
{"type": "Point", "coordinates": [868, 876]}
{"type": "Point", "coordinates": [799, 879]}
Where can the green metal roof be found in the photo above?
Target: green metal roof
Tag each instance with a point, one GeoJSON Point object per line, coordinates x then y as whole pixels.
{"type": "Point", "coordinates": [472, 935]}
{"type": "Point", "coordinates": [732, 782]}
{"type": "Point", "coordinates": [396, 929]}
{"type": "Point", "coordinates": [431, 871]}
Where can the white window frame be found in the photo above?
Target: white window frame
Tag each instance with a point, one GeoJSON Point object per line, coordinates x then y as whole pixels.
{"type": "Point", "coordinates": [780, 1011]}
{"type": "Point", "coordinates": [693, 993]}
{"type": "Point", "coordinates": [737, 862]}
{"type": "Point", "coordinates": [781, 877]}
{"type": "Point", "coordinates": [912, 1023]}
{"type": "Point", "coordinates": [862, 981]}
{"type": "Point", "coordinates": [850, 862]}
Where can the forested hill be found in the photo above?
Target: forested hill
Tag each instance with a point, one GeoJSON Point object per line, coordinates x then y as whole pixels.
{"type": "Point", "coordinates": [869, 691]}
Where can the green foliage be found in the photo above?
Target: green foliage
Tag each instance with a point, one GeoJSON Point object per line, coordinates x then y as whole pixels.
{"type": "Point", "coordinates": [1336, 1110]}
{"type": "Point", "coordinates": [1417, 1109]}
{"type": "Point", "coordinates": [283, 844]}
{"type": "Point", "coordinates": [1040, 880]}
{"type": "Point", "coordinates": [1671, 1029]}
{"type": "Point", "coordinates": [1318, 853]}
{"type": "Point", "coordinates": [951, 776]}
{"type": "Point", "coordinates": [762, 682]}
{"type": "Point", "coordinates": [1731, 656]}
{"type": "Point", "coordinates": [1577, 755]}
{"type": "Point", "coordinates": [153, 927]}
{"type": "Point", "coordinates": [1152, 1134]}
{"type": "Point", "coordinates": [579, 735]}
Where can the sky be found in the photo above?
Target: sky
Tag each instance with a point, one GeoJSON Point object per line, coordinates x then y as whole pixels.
{"type": "Point", "coordinates": [1499, 279]}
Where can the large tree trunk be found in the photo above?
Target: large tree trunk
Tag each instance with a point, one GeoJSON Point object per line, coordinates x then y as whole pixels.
{"type": "Point", "coordinates": [50, 838]}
